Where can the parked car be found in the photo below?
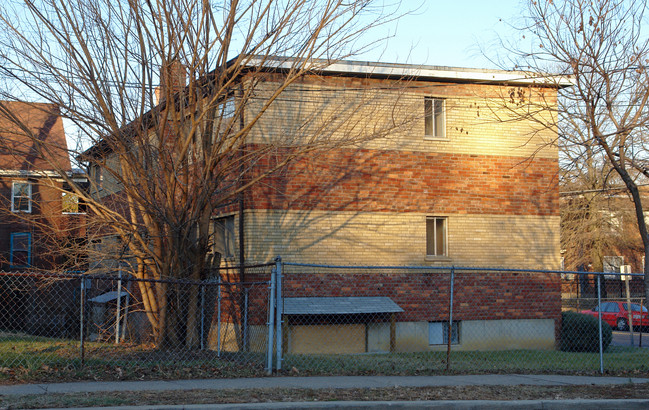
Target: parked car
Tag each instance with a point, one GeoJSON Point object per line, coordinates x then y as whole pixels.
{"type": "Point", "coordinates": [617, 316]}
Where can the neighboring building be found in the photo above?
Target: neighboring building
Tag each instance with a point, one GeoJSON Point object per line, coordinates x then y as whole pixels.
{"type": "Point", "coordinates": [599, 233]}
{"type": "Point", "coordinates": [31, 160]}
{"type": "Point", "coordinates": [37, 218]}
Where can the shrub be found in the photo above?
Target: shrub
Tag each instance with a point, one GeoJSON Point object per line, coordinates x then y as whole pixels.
{"type": "Point", "coordinates": [580, 333]}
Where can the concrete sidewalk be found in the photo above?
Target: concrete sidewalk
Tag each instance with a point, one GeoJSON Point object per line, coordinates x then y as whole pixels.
{"type": "Point", "coordinates": [331, 382]}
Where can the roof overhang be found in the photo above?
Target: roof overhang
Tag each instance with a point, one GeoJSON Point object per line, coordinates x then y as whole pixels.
{"type": "Point", "coordinates": [340, 305]}
{"type": "Point", "coordinates": [108, 297]}
{"type": "Point", "coordinates": [416, 72]}
{"type": "Point", "coordinates": [22, 173]}
{"type": "Point", "coordinates": [76, 175]}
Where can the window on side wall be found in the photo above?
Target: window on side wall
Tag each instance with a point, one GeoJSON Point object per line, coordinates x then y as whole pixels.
{"type": "Point", "coordinates": [70, 203]}
{"type": "Point", "coordinates": [438, 333]}
{"type": "Point", "coordinates": [21, 197]}
{"type": "Point", "coordinates": [435, 124]}
{"type": "Point", "coordinates": [226, 127]}
{"type": "Point", "coordinates": [98, 176]}
{"type": "Point", "coordinates": [224, 236]}
{"type": "Point", "coordinates": [436, 236]}
{"type": "Point", "coordinates": [20, 255]}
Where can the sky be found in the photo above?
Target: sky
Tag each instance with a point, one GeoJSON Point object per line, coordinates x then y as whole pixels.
{"type": "Point", "coordinates": [444, 33]}
{"type": "Point", "coordinates": [447, 33]}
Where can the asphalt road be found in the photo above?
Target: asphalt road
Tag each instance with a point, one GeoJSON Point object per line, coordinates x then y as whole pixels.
{"type": "Point", "coordinates": [624, 339]}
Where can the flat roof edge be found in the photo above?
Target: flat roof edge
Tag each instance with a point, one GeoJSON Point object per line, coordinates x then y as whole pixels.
{"type": "Point", "coordinates": [420, 71]}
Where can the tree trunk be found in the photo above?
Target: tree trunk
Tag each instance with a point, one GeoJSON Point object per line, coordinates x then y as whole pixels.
{"type": "Point", "coordinates": [192, 337]}
{"type": "Point", "coordinates": [163, 302]}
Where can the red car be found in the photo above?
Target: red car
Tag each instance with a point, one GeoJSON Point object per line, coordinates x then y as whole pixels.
{"type": "Point", "coordinates": [617, 316]}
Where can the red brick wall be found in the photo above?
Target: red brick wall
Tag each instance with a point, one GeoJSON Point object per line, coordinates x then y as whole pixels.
{"type": "Point", "coordinates": [401, 181]}
{"type": "Point", "coordinates": [49, 227]}
{"type": "Point", "coordinates": [425, 296]}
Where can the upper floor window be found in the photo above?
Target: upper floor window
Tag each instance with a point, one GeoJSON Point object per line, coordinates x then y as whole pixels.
{"type": "Point", "coordinates": [21, 197]}
{"type": "Point", "coordinates": [98, 176]}
{"type": "Point", "coordinates": [70, 203]}
{"type": "Point", "coordinates": [20, 255]}
{"type": "Point", "coordinates": [434, 109]}
{"type": "Point", "coordinates": [224, 236]}
{"type": "Point", "coordinates": [228, 108]}
{"type": "Point", "coordinates": [226, 111]}
{"type": "Point", "coordinates": [436, 236]}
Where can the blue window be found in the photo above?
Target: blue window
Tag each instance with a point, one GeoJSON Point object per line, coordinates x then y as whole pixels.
{"type": "Point", "coordinates": [21, 250]}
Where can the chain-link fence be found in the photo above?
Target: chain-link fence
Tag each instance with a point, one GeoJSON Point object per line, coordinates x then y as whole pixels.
{"type": "Point", "coordinates": [320, 319]}
{"type": "Point", "coordinates": [422, 320]}
{"type": "Point", "coordinates": [76, 325]}
{"type": "Point", "coordinates": [613, 294]}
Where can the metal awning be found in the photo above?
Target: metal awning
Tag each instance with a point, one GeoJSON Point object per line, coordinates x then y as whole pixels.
{"type": "Point", "coordinates": [339, 305]}
{"type": "Point", "coordinates": [106, 297]}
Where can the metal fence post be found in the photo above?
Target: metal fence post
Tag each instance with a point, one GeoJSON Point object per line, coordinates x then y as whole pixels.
{"type": "Point", "coordinates": [218, 317]}
{"type": "Point", "coordinates": [246, 338]}
{"type": "Point", "coordinates": [126, 303]}
{"type": "Point", "coordinates": [599, 314]}
{"type": "Point", "coordinates": [629, 309]}
{"type": "Point", "coordinates": [271, 322]}
{"type": "Point", "coordinates": [279, 310]}
{"type": "Point", "coordinates": [119, 304]}
{"type": "Point", "coordinates": [82, 318]}
{"type": "Point", "coordinates": [641, 310]}
{"type": "Point", "coordinates": [202, 316]}
{"type": "Point", "coordinates": [450, 322]}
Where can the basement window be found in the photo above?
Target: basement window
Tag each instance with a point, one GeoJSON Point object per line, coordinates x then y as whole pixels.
{"type": "Point", "coordinates": [438, 333]}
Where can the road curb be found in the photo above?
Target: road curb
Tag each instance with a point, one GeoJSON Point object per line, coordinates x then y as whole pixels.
{"type": "Point", "coordinates": [578, 404]}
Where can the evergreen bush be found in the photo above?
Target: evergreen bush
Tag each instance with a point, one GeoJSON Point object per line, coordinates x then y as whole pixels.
{"type": "Point", "coordinates": [580, 333]}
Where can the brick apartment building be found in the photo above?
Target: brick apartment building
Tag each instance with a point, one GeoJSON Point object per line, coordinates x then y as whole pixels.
{"type": "Point", "coordinates": [464, 180]}
{"type": "Point", "coordinates": [465, 183]}
{"type": "Point", "coordinates": [37, 218]}
{"type": "Point", "coordinates": [34, 206]}
{"type": "Point", "coordinates": [455, 187]}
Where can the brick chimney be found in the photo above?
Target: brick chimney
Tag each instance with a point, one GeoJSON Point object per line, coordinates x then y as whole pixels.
{"type": "Point", "coordinates": [173, 78]}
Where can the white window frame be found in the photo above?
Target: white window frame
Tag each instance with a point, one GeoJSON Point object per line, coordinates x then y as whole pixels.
{"type": "Point", "coordinates": [434, 219]}
{"type": "Point", "coordinates": [14, 196]}
{"type": "Point", "coordinates": [438, 333]}
{"type": "Point", "coordinates": [432, 130]}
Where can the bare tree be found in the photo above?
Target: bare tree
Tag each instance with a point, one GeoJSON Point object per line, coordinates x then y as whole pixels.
{"type": "Point", "coordinates": [597, 219]}
{"type": "Point", "coordinates": [169, 98]}
{"type": "Point", "coordinates": [604, 115]}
